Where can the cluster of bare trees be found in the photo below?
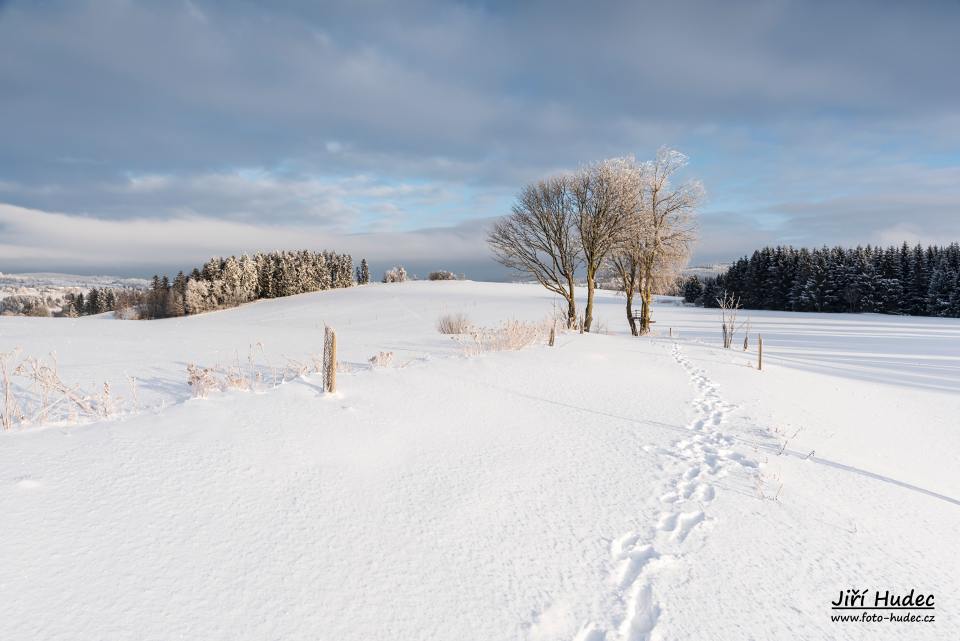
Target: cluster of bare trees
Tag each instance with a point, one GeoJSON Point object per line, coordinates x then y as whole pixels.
{"type": "Point", "coordinates": [619, 216]}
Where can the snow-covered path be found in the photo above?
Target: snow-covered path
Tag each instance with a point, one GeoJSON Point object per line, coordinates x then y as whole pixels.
{"type": "Point", "coordinates": [610, 488]}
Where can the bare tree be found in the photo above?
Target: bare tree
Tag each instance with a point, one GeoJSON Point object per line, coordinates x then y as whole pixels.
{"type": "Point", "coordinates": [539, 238]}
{"type": "Point", "coordinates": [600, 195]}
{"type": "Point", "coordinates": [625, 267]}
{"type": "Point", "coordinates": [668, 226]}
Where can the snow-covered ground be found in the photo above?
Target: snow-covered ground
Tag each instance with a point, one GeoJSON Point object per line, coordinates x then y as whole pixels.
{"type": "Point", "coordinates": [607, 488]}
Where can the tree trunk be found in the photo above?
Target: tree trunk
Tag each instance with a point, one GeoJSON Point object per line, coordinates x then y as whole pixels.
{"type": "Point", "coordinates": [588, 312]}
{"type": "Point", "coordinates": [630, 318]}
{"type": "Point", "coordinates": [645, 303]}
{"type": "Point", "coordinates": [571, 305]}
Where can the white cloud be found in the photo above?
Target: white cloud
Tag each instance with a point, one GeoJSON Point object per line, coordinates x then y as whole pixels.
{"type": "Point", "coordinates": [34, 239]}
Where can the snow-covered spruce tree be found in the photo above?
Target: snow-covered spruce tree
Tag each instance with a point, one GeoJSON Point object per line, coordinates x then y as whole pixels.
{"type": "Point", "coordinates": [341, 269]}
{"type": "Point", "coordinates": [692, 289]}
{"type": "Point", "coordinates": [249, 279]}
{"type": "Point", "coordinates": [363, 272]}
{"type": "Point", "coordinates": [110, 300]}
{"type": "Point", "coordinates": [94, 304]}
{"type": "Point", "coordinates": [943, 284]}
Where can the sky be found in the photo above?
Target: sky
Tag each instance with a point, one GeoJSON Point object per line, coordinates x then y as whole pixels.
{"type": "Point", "coordinates": [143, 136]}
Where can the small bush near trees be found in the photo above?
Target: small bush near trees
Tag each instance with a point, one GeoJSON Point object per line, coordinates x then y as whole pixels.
{"type": "Point", "coordinates": [442, 275]}
{"type": "Point", "coordinates": [395, 275]}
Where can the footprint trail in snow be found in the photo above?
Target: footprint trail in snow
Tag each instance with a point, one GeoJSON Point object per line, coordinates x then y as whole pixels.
{"type": "Point", "coordinates": [638, 558]}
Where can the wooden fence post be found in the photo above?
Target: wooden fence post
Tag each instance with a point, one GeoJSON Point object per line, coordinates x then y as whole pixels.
{"type": "Point", "coordinates": [553, 333]}
{"type": "Point", "coordinates": [759, 352]}
{"type": "Point", "coordinates": [329, 360]}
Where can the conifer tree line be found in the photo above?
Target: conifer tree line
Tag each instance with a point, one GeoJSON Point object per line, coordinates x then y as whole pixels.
{"type": "Point", "coordinates": [228, 282]}
{"type": "Point", "coordinates": [894, 280]}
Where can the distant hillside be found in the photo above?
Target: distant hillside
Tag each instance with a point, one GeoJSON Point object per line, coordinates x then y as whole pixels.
{"type": "Point", "coordinates": [49, 289]}
{"type": "Point", "coordinates": [709, 271]}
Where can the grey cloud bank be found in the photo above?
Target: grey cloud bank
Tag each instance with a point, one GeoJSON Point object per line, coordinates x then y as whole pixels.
{"type": "Point", "coordinates": [140, 136]}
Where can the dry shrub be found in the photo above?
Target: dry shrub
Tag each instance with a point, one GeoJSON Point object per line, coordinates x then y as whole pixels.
{"type": "Point", "coordinates": [454, 324]}
{"type": "Point", "coordinates": [203, 380]}
{"type": "Point", "coordinates": [382, 359]}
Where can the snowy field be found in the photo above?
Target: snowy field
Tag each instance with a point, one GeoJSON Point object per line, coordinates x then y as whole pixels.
{"type": "Point", "coordinates": [608, 488]}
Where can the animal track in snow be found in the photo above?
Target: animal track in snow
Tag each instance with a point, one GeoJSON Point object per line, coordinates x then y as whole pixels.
{"type": "Point", "coordinates": [685, 523]}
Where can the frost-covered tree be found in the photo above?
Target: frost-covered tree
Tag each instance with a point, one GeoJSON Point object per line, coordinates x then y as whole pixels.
{"type": "Point", "coordinates": [197, 298]}
{"type": "Point", "coordinates": [248, 282]}
{"type": "Point", "coordinates": [395, 275]}
{"type": "Point", "coordinates": [668, 222]}
{"type": "Point", "coordinates": [230, 282]}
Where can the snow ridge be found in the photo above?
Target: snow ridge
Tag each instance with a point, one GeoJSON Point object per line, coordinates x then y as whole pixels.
{"type": "Point", "coordinates": [639, 559]}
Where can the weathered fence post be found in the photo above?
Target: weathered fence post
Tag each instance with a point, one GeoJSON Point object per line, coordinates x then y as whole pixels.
{"type": "Point", "coordinates": [759, 352]}
{"type": "Point", "coordinates": [553, 333]}
{"type": "Point", "coordinates": [746, 343]}
{"type": "Point", "coordinates": [329, 360]}
{"type": "Point", "coordinates": [671, 332]}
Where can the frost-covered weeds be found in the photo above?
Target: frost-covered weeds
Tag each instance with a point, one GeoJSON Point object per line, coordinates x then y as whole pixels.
{"type": "Point", "coordinates": [33, 393]}
{"type": "Point", "coordinates": [43, 397]}
{"type": "Point", "coordinates": [509, 336]}
{"type": "Point", "coordinates": [253, 375]}
{"type": "Point", "coordinates": [381, 359]}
